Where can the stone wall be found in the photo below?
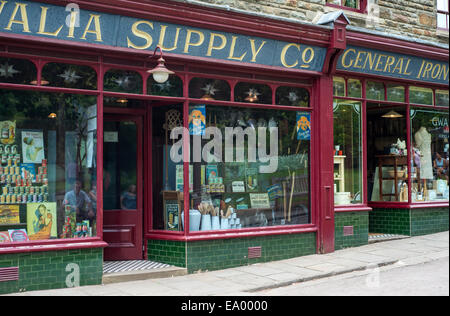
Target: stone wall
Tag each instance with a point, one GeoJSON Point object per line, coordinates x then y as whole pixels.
{"type": "Point", "coordinates": [408, 18]}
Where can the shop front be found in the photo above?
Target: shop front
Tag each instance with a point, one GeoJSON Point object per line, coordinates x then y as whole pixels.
{"type": "Point", "coordinates": [220, 164]}
{"type": "Point", "coordinates": [391, 158]}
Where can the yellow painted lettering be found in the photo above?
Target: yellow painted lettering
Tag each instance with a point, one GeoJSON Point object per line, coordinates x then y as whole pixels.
{"type": "Point", "coordinates": [436, 71]}
{"type": "Point", "coordinates": [358, 59]}
{"type": "Point", "coordinates": [444, 73]}
{"type": "Point", "coordinates": [24, 16]}
{"type": "Point", "coordinates": [255, 51]}
{"type": "Point", "coordinates": [97, 32]}
{"type": "Point", "coordinates": [371, 60]}
{"type": "Point", "coordinates": [141, 34]}
{"type": "Point", "coordinates": [389, 63]}
{"type": "Point", "coordinates": [398, 66]}
{"type": "Point", "coordinates": [407, 67]}
{"type": "Point", "coordinates": [427, 70]}
{"type": "Point", "coordinates": [212, 39]}
{"type": "Point", "coordinates": [344, 58]}
{"type": "Point", "coordinates": [379, 62]}
{"type": "Point", "coordinates": [232, 49]}
{"type": "Point", "coordinates": [188, 44]}
{"type": "Point", "coordinates": [43, 23]}
{"type": "Point", "coordinates": [2, 5]}
{"type": "Point", "coordinates": [307, 60]}
{"type": "Point", "coordinates": [162, 38]}
{"type": "Point", "coordinates": [284, 52]}
{"type": "Point", "coordinates": [420, 71]}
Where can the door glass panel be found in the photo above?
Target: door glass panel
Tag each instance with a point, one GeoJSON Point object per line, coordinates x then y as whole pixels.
{"type": "Point", "coordinates": [119, 162]}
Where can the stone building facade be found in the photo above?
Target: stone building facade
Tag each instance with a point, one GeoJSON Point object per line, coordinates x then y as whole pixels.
{"type": "Point", "coordinates": [414, 19]}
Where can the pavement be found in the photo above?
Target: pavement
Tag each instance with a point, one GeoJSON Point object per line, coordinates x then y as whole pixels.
{"type": "Point", "coordinates": [249, 280]}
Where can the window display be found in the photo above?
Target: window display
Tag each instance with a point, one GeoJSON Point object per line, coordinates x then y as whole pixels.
{"type": "Point", "coordinates": [387, 153]}
{"type": "Point", "coordinates": [48, 163]}
{"type": "Point", "coordinates": [19, 71]}
{"type": "Point", "coordinates": [347, 152]}
{"type": "Point", "coordinates": [430, 155]}
{"type": "Point", "coordinates": [249, 168]}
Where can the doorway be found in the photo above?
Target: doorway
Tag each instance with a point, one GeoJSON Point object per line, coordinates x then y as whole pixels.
{"type": "Point", "coordinates": [123, 189]}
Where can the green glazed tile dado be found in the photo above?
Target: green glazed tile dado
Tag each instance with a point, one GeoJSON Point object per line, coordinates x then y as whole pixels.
{"type": "Point", "coordinates": [360, 223]}
{"type": "Point", "coordinates": [53, 270]}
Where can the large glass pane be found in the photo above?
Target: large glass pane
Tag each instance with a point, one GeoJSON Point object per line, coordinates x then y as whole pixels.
{"type": "Point", "coordinates": [251, 168]}
{"type": "Point", "coordinates": [354, 88]}
{"type": "Point", "coordinates": [209, 89]}
{"type": "Point", "coordinates": [348, 152]}
{"type": "Point", "coordinates": [375, 90]}
{"type": "Point", "coordinates": [18, 71]}
{"type": "Point", "coordinates": [124, 81]}
{"type": "Point", "coordinates": [119, 163]}
{"type": "Point", "coordinates": [167, 173]}
{"type": "Point", "coordinates": [386, 153]}
{"type": "Point", "coordinates": [48, 150]}
{"type": "Point", "coordinates": [253, 93]}
{"type": "Point", "coordinates": [70, 76]}
{"type": "Point", "coordinates": [418, 95]}
{"type": "Point", "coordinates": [430, 155]}
{"type": "Point", "coordinates": [292, 96]}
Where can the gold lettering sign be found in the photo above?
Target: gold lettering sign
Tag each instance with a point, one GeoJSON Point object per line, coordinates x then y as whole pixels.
{"type": "Point", "coordinates": [142, 34]}
{"type": "Point", "coordinates": [24, 16]}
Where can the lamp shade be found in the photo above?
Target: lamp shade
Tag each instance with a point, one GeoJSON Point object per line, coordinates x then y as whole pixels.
{"type": "Point", "coordinates": [160, 72]}
{"type": "Point", "coordinates": [392, 114]}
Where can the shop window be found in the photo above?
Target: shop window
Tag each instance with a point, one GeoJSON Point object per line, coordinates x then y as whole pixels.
{"type": "Point", "coordinates": [430, 155]}
{"type": "Point", "coordinates": [209, 89]}
{"type": "Point", "coordinates": [375, 91]}
{"type": "Point", "coordinates": [339, 87]}
{"type": "Point", "coordinates": [442, 98]}
{"type": "Point", "coordinates": [19, 71]}
{"type": "Point", "coordinates": [48, 165]}
{"type": "Point", "coordinates": [253, 93]}
{"type": "Point", "coordinates": [171, 88]}
{"type": "Point", "coordinates": [123, 81]}
{"type": "Point", "coordinates": [419, 95]}
{"type": "Point", "coordinates": [442, 14]}
{"type": "Point", "coordinates": [69, 76]}
{"type": "Point", "coordinates": [257, 173]}
{"type": "Point", "coordinates": [354, 88]}
{"type": "Point", "coordinates": [347, 152]}
{"type": "Point", "coordinates": [387, 153]}
{"type": "Point", "coordinates": [395, 93]}
{"type": "Point", "coordinates": [167, 171]}
{"type": "Point", "coordinates": [292, 96]}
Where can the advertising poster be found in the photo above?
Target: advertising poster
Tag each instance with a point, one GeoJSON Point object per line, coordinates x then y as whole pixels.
{"type": "Point", "coordinates": [41, 221]}
{"type": "Point", "coordinates": [4, 237]}
{"type": "Point", "coordinates": [303, 126]}
{"type": "Point", "coordinates": [197, 120]}
{"type": "Point", "coordinates": [9, 214]}
{"type": "Point", "coordinates": [33, 147]}
{"type": "Point", "coordinates": [18, 235]}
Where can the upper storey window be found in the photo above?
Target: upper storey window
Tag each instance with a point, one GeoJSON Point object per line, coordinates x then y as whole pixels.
{"type": "Point", "coordinates": [442, 14]}
{"type": "Point", "coordinates": [354, 5]}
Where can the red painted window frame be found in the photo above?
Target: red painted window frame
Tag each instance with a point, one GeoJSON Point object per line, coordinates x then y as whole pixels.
{"type": "Point", "coordinates": [362, 6]}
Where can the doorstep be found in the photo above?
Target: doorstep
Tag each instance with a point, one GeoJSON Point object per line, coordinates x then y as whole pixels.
{"type": "Point", "coordinates": [379, 237]}
{"type": "Point", "coordinates": [126, 271]}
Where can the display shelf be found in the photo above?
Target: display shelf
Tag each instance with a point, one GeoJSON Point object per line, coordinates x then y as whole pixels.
{"type": "Point", "coordinates": [394, 161]}
{"type": "Point", "coordinates": [340, 161]}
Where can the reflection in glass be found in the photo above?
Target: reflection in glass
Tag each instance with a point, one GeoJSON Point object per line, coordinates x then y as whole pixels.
{"type": "Point", "coordinates": [171, 88]}
{"type": "Point", "coordinates": [395, 93]}
{"type": "Point", "coordinates": [339, 89]}
{"type": "Point", "coordinates": [124, 81]}
{"type": "Point", "coordinates": [292, 96]}
{"type": "Point", "coordinates": [209, 89]}
{"type": "Point", "coordinates": [419, 95]}
{"type": "Point", "coordinates": [347, 152]}
{"type": "Point", "coordinates": [253, 93]}
{"type": "Point", "coordinates": [354, 88]}
{"type": "Point", "coordinates": [69, 76]}
{"type": "Point", "coordinates": [430, 155]}
{"type": "Point", "coordinates": [442, 98]}
{"type": "Point", "coordinates": [19, 71]}
{"type": "Point", "coordinates": [258, 180]}
{"type": "Point", "coordinates": [375, 90]}
{"type": "Point", "coordinates": [48, 163]}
